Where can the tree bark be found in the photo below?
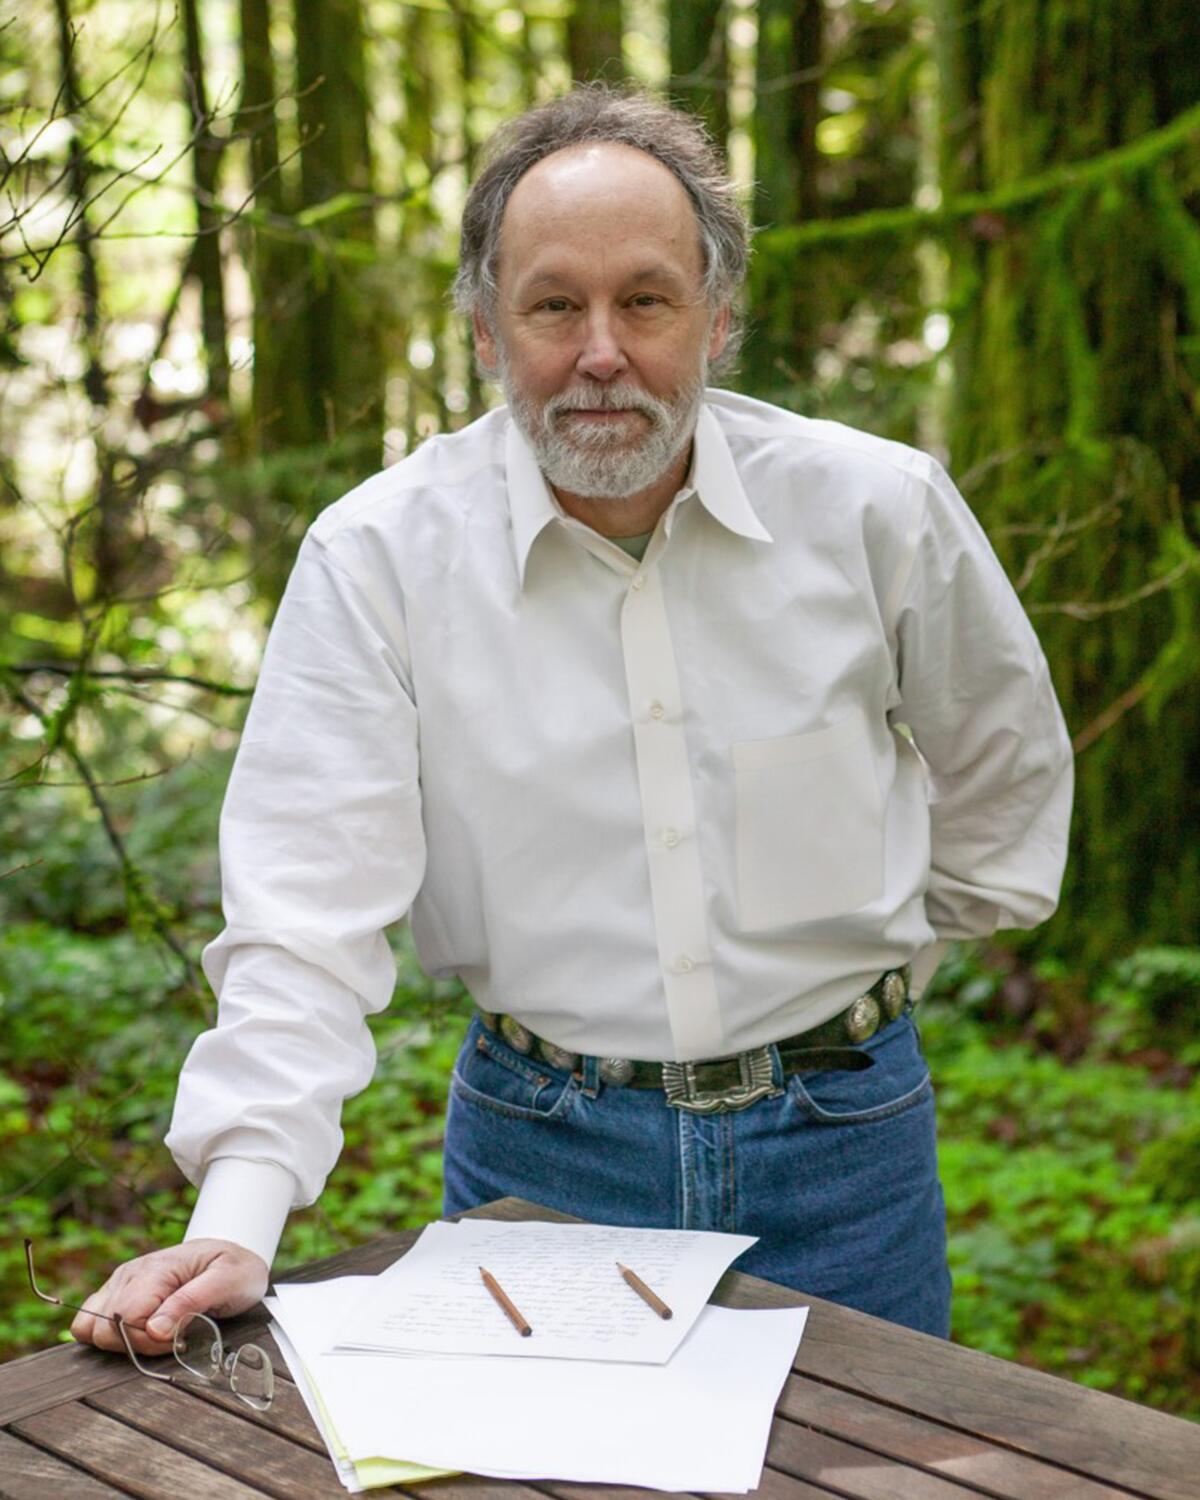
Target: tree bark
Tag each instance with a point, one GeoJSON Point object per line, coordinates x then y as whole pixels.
{"type": "Point", "coordinates": [785, 309]}
{"type": "Point", "coordinates": [206, 158]}
{"type": "Point", "coordinates": [345, 348]}
{"type": "Point", "coordinates": [700, 62]}
{"type": "Point", "coordinates": [465, 24]}
{"type": "Point", "coordinates": [95, 379]}
{"type": "Point", "coordinates": [594, 32]}
{"type": "Point", "coordinates": [287, 411]}
{"type": "Point", "coordinates": [1075, 389]}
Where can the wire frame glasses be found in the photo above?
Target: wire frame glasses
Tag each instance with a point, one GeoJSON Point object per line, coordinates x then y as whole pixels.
{"type": "Point", "coordinates": [197, 1346]}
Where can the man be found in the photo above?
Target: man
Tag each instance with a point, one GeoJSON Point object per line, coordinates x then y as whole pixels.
{"type": "Point", "coordinates": [684, 725]}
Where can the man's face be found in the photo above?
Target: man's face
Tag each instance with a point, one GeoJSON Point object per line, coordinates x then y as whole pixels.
{"type": "Point", "coordinates": [602, 330]}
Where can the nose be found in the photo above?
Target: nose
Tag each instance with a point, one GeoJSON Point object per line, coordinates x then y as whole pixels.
{"type": "Point", "coordinates": [601, 357]}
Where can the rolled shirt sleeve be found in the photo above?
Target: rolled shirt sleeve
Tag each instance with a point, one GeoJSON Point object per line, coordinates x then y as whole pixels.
{"type": "Point", "coordinates": [977, 696]}
{"type": "Point", "coordinates": [322, 847]}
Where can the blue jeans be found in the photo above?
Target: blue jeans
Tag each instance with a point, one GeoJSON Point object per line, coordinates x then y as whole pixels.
{"type": "Point", "coordinates": [837, 1175]}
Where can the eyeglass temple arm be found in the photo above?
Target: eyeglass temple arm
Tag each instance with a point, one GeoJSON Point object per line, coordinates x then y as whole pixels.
{"type": "Point", "coordinates": [109, 1317]}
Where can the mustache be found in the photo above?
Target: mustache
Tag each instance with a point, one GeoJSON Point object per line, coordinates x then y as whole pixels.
{"type": "Point", "coordinates": [606, 398]}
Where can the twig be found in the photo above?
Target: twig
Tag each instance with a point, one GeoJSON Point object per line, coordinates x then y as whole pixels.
{"type": "Point", "coordinates": [1115, 710]}
{"type": "Point", "coordinates": [125, 674]}
{"type": "Point", "coordinates": [1092, 609]}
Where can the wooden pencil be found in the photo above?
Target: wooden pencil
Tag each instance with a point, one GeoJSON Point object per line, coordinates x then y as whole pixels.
{"type": "Point", "coordinates": [498, 1292]}
{"type": "Point", "coordinates": [651, 1299]}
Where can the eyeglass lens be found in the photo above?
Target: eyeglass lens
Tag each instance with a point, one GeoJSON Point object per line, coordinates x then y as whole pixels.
{"type": "Point", "coordinates": [199, 1350]}
{"type": "Point", "coordinates": [198, 1346]}
{"type": "Point", "coordinates": [252, 1377]}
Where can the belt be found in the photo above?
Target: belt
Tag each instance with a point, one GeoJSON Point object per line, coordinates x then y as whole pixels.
{"type": "Point", "coordinates": [728, 1083]}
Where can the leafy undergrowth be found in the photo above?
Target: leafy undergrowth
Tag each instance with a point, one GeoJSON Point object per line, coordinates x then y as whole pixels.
{"type": "Point", "coordinates": [1070, 1149]}
{"type": "Point", "coordinates": [1072, 1181]}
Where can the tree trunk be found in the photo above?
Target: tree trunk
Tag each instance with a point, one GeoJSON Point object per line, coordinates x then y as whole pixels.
{"type": "Point", "coordinates": [700, 62]}
{"type": "Point", "coordinates": [206, 157]}
{"type": "Point", "coordinates": [345, 349]}
{"type": "Point", "coordinates": [108, 518]}
{"type": "Point", "coordinates": [287, 412]}
{"type": "Point", "coordinates": [95, 380]}
{"type": "Point", "coordinates": [785, 309]}
{"type": "Point", "coordinates": [1075, 326]}
{"type": "Point", "coordinates": [465, 24]}
{"type": "Point", "coordinates": [594, 32]}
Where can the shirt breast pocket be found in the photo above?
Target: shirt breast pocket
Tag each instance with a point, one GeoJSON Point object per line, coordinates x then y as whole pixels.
{"type": "Point", "coordinates": [809, 836]}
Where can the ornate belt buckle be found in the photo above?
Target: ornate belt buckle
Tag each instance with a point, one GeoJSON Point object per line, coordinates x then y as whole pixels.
{"type": "Point", "coordinates": [756, 1082]}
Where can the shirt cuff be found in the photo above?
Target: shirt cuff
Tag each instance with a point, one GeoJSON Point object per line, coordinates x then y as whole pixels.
{"type": "Point", "coordinates": [244, 1201]}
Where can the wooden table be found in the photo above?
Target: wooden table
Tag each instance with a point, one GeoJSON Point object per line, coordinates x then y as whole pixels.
{"type": "Point", "coordinates": [870, 1411]}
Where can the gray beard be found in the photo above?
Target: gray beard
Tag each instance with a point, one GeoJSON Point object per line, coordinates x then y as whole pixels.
{"type": "Point", "coordinates": [603, 462]}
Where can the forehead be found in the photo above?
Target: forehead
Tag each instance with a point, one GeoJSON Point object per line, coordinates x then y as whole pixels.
{"type": "Point", "coordinates": [598, 203]}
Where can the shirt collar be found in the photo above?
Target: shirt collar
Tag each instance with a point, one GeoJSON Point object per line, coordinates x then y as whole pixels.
{"type": "Point", "coordinates": [718, 484]}
{"type": "Point", "coordinates": [713, 476]}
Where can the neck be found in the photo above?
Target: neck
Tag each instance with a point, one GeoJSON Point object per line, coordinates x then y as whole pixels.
{"type": "Point", "coordinates": [629, 515]}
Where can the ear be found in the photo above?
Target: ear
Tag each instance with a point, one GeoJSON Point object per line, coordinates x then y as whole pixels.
{"type": "Point", "coordinates": [718, 334]}
{"type": "Point", "coordinates": [485, 342]}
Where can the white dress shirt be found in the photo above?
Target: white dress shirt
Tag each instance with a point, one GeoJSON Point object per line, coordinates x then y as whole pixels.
{"type": "Point", "coordinates": [667, 809]}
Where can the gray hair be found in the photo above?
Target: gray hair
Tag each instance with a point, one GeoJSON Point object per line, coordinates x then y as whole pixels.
{"type": "Point", "coordinates": [627, 117]}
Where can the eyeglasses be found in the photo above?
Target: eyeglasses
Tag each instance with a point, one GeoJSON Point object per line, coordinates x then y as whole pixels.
{"type": "Point", "coordinates": [197, 1346]}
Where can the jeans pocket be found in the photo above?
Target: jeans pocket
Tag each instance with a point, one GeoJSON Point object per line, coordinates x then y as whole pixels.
{"type": "Point", "coordinates": [493, 1076]}
{"type": "Point", "coordinates": [898, 1081]}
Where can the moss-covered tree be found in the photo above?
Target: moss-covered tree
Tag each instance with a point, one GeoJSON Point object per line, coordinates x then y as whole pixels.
{"type": "Point", "coordinates": [699, 57]}
{"type": "Point", "coordinates": [336, 175]}
{"type": "Point", "coordinates": [595, 29]}
{"type": "Point", "coordinates": [1077, 326]}
{"type": "Point", "coordinates": [286, 410]}
{"type": "Point", "coordinates": [785, 308]}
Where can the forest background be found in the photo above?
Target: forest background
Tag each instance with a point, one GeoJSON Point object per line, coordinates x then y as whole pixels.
{"type": "Point", "coordinates": [226, 239]}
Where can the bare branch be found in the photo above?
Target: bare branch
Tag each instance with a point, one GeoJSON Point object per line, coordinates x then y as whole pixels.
{"type": "Point", "coordinates": [1092, 609]}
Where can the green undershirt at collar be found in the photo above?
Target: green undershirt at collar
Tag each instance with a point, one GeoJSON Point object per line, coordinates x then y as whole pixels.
{"type": "Point", "coordinates": [634, 545]}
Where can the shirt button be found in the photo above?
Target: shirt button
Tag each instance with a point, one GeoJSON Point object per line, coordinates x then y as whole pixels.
{"type": "Point", "coordinates": [670, 837]}
{"type": "Point", "coordinates": [684, 965]}
{"type": "Point", "coordinates": [657, 710]}
{"type": "Point", "coordinates": [638, 582]}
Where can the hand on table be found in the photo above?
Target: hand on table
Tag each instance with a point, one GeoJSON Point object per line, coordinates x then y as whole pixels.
{"type": "Point", "coordinates": [209, 1276]}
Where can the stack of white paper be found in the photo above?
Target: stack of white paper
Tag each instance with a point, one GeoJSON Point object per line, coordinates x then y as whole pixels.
{"type": "Point", "coordinates": [420, 1365]}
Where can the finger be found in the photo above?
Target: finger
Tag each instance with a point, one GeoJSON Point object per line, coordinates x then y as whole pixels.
{"type": "Point", "coordinates": [93, 1323]}
{"type": "Point", "coordinates": [88, 1324]}
{"type": "Point", "coordinates": [133, 1292]}
{"type": "Point", "coordinates": [220, 1286]}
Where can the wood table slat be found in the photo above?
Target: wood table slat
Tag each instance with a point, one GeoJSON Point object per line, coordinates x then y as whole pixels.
{"type": "Point", "coordinates": [775, 1485]}
{"type": "Point", "coordinates": [253, 1453]}
{"type": "Point", "coordinates": [474, 1487]}
{"type": "Point", "coordinates": [128, 1459]}
{"type": "Point", "coordinates": [26, 1473]}
{"type": "Point", "coordinates": [287, 1415]}
{"type": "Point", "coordinates": [1113, 1441]}
{"type": "Point", "coordinates": [52, 1376]}
{"type": "Point", "coordinates": [857, 1473]}
{"type": "Point", "coordinates": [956, 1455]}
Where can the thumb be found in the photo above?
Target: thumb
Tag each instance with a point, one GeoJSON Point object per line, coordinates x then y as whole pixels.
{"type": "Point", "coordinates": [221, 1288]}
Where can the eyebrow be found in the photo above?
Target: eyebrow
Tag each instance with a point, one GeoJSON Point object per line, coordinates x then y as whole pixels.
{"type": "Point", "coordinates": [659, 273]}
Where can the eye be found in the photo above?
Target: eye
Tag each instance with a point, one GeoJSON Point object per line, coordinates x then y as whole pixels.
{"type": "Point", "coordinates": [646, 299]}
{"type": "Point", "coordinates": [553, 305]}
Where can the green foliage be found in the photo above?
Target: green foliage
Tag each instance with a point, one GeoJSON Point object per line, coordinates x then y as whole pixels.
{"type": "Point", "coordinates": [1068, 1184]}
